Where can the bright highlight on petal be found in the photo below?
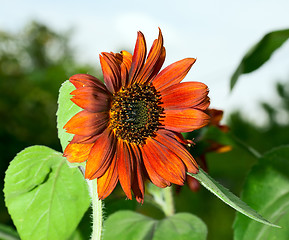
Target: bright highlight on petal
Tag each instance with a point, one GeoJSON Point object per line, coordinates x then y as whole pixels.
{"type": "Point", "coordinates": [129, 129]}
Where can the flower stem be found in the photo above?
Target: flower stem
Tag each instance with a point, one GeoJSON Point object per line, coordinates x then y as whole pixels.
{"type": "Point", "coordinates": [96, 210]}
{"type": "Point", "coordinates": [168, 207]}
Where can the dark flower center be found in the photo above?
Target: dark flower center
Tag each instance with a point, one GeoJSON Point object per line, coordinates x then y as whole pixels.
{"type": "Point", "coordinates": [135, 113]}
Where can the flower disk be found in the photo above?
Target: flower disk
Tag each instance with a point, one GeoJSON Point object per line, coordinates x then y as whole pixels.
{"type": "Point", "coordinates": [135, 113]}
{"type": "Point", "coordinates": [129, 130]}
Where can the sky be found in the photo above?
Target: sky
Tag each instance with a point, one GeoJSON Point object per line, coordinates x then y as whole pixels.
{"type": "Point", "coordinates": [217, 33]}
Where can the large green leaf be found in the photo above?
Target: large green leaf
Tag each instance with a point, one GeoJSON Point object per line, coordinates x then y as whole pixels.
{"type": "Point", "coordinates": [267, 190]}
{"type": "Point", "coordinates": [129, 225]}
{"type": "Point", "coordinates": [45, 198]}
{"type": "Point", "coordinates": [66, 110]}
{"type": "Point", "coordinates": [260, 53]}
{"type": "Point", "coordinates": [228, 197]}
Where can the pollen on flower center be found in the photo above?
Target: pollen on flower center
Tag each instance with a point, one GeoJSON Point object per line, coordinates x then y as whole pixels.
{"type": "Point", "coordinates": [135, 113]}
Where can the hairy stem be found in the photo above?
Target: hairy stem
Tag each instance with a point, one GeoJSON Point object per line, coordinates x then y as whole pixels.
{"type": "Point", "coordinates": [96, 210]}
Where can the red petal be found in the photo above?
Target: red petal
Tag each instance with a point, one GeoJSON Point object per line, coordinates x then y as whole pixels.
{"type": "Point", "coordinates": [158, 64]}
{"type": "Point", "coordinates": [152, 59]}
{"type": "Point", "coordinates": [167, 138]}
{"type": "Point", "coordinates": [138, 57]}
{"type": "Point", "coordinates": [138, 179]}
{"type": "Point", "coordinates": [84, 139]}
{"type": "Point", "coordinates": [107, 182]}
{"type": "Point", "coordinates": [86, 80]}
{"type": "Point", "coordinates": [164, 162]}
{"type": "Point", "coordinates": [124, 60]}
{"type": "Point", "coordinates": [111, 71]}
{"type": "Point", "coordinates": [124, 166]}
{"type": "Point", "coordinates": [77, 152]}
{"type": "Point", "coordinates": [87, 123]}
{"type": "Point", "coordinates": [101, 155]}
{"type": "Point", "coordinates": [91, 99]}
{"type": "Point", "coordinates": [184, 95]}
{"type": "Point", "coordinates": [152, 174]}
{"type": "Point", "coordinates": [173, 73]}
{"type": "Point", "coordinates": [185, 120]}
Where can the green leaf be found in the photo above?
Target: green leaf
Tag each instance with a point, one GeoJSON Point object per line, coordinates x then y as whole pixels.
{"type": "Point", "coordinates": [134, 226]}
{"type": "Point", "coordinates": [7, 233]}
{"type": "Point", "coordinates": [267, 190]}
{"type": "Point", "coordinates": [66, 110]}
{"type": "Point", "coordinates": [260, 53]}
{"type": "Point", "coordinates": [229, 198]}
{"type": "Point", "coordinates": [45, 198]}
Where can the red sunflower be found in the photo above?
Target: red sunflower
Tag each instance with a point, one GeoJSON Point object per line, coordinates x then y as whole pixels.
{"type": "Point", "coordinates": [129, 129]}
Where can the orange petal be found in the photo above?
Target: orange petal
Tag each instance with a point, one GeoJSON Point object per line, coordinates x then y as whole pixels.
{"type": "Point", "coordinates": [185, 120]}
{"type": "Point", "coordinates": [101, 155]}
{"type": "Point", "coordinates": [138, 58]}
{"type": "Point", "coordinates": [77, 152]}
{"type": "Point", "coordinates": [158, 64]}
{"type": "Point", "coordinates": [165, 163]}
{"type": "Point", "coordinates": [86, 80]}
{"type": "Point", "coordinates": [152, 59]}
{"type": "Point", "coordinates": [84, 139]}
{"type": "Point", "coordinates": [152, 174]}
{"type": "Point", "coordinates": [91, 99]}
{"type": "Point", "coordinates": [167, 138]}
{"type": "Point", "coordinates": [173, 73]}
{"type": "Point", "coordinates": [124, 60]}
{"type": "Point", "coordinates": [124, 166]}
{"type": "Point", "coordinates": [204, 104]}
{"type": "Point", "coordinates": [107, 182]}
{"type": "Point", "coordinates": [111, 71]}
{"type": "Point", "coordinates": [184, 95]}
{"type": "Point", "coordinates": [138, 178]}
{"type": "Point", "coordinates": [87, 123]}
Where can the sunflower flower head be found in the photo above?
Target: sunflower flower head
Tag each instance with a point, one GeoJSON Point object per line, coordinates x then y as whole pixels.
{"type": "Point", "coordinates": [129, 128]}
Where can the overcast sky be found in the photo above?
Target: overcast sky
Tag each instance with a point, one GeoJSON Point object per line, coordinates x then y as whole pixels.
{"type": "Point", "coordinates": [217, 33]}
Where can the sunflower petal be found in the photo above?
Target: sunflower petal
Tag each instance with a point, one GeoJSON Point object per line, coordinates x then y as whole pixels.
{"type": "Point", "coordinates": [164, 162]}
{"type": "Point", "coordinates": [173, 73]}
{"type": "Point", "coordinates": [86, 80]}
{"type": "Point", "coordinates": [124, 166]}
{"type": "Point", "coordinates": [138, 58]}
{"type": "Point", "coordinates": [184, 95]}
{"type": "Point", "coordinates": [101, 155]}
{"type": "Point", "coordinates": [91, 99]}
{"type": "Point", "coordinates": [153, 57]}
{"type": "Point", "coordinates": [111, 71]}
{"type": "Point", "coordinates": [107, 182]}
{"type": "Point", "coordinates": [152, 174]}
{"type": "Point", "coordinates": [138, 178]}
{"type": "Point", "coordinates": [77, 152]}
{"type": "Point", "coordinates": [124, 60]}
{"type": "Point", "coordinates": [185, 120]}
{"type": "Point", "coordinates": [87, 123]}
{"type": "Point", "coordinates": [167, 138]}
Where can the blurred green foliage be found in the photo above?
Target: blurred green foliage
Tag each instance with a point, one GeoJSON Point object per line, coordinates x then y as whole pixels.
{"type": "Point", "coordinates": [34, 63]}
